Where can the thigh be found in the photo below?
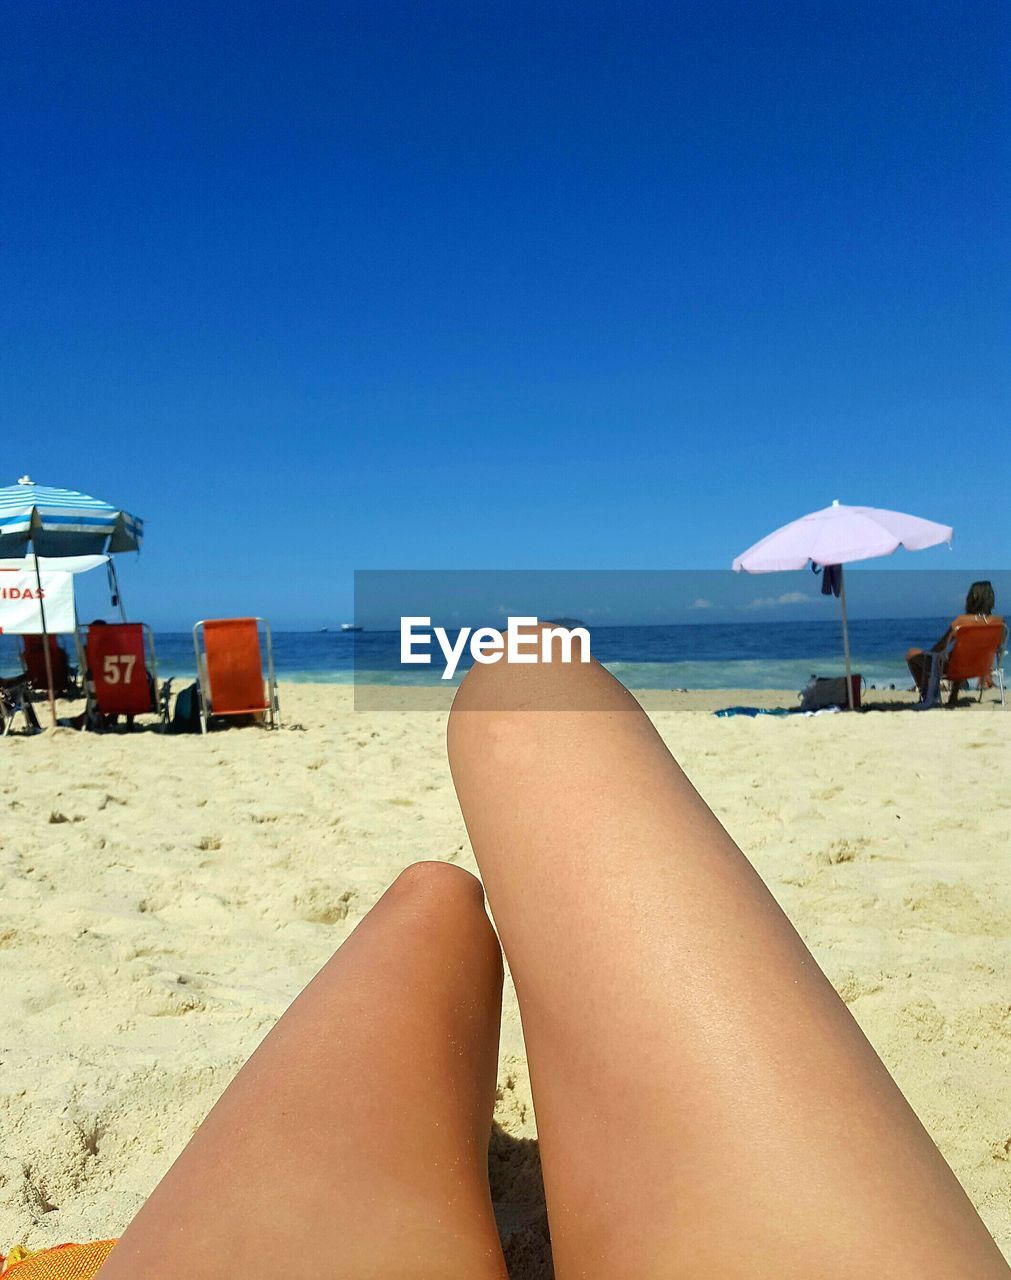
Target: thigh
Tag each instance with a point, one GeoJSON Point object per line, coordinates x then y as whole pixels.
{"type": "Point", "coordinates": [706, 1104]}
{"type": "Point", "coordinates": [916, 661]}
{"type": "Point", "coordinates": [353, 1143]}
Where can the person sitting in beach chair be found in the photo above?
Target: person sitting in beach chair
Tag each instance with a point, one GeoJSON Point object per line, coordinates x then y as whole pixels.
{"type": "Point", "coordinates": [230, 670]}
{"type": "Point", "coordinates": [707, 1106]}
{"type": "Point", "coordinates": [121, 674]}
{"type": "Point", "coordinates": [33, 658]}
{"type": "Point", "coordinates": [971, 649]}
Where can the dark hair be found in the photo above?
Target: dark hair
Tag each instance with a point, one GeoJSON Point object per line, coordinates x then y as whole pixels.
{"type": "Point", "coordinates": [980, 598]}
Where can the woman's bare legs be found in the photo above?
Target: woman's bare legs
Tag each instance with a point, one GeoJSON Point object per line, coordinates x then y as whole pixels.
{"type": "Point", "coordinates": [918, 663]}
{"type": "Point", "coordinates": [353, 1144]}
{"type": "Point", "coordinates": [707, 1107]}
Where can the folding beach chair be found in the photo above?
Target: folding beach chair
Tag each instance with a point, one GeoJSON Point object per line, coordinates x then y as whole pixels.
{"type": "Point", "coordinates": [33, 658]}
{"type": "Point", "coordinates": [122, 671]}
{"type": "Point", "coordinates": [975, 652]}
{"type": "Point", "coordinates": [230, 668]}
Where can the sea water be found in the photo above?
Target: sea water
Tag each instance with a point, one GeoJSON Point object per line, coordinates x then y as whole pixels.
{"type": "Point", "coordinates": [764, 655]}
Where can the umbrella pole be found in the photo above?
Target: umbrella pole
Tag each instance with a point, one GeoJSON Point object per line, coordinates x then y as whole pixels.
{"type": "Point", "coordinates": [45, 636]}
{"type": "Point", "coordinates": [846, 639]}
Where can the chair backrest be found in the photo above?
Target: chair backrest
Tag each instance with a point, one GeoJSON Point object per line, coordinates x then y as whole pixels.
{"type": "Point", "coordinates": [117, 666]}
{"type": "Point", "coordinates": [34, 655]}
{"type": "Point", "coordinates": [234, 666]}
{"type": "Point", "coordinates": [976, 645]}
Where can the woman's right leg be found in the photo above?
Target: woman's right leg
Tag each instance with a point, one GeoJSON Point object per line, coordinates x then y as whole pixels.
{"type": "Point", "coordinates": [353, 1145]}
{"type": "Point", "coordinates": [707, 1107]}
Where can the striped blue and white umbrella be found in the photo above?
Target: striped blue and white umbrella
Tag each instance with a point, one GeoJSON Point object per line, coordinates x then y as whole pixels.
{"type": "Point", "coordinates": [62, 522]}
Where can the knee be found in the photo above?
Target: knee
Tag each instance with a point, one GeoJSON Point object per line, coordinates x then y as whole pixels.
{"type": "Point", "coordinates": [442, 901]}
{"type": "Point", "coordinates": [439, 882]}
{"type": "Point", "coordinates": [552, 676]}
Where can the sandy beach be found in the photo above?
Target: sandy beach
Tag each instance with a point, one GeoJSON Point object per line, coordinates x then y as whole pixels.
{"type": "Point", "coordinates": [167, 897]}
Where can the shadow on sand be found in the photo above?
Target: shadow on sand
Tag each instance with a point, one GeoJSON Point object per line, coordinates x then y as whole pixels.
{"type": "Point", "coordinates": [514, 1171]}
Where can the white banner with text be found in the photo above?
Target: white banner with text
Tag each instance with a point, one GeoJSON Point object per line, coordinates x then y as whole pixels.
{"type": "Point", "coordinates": [20, 611]}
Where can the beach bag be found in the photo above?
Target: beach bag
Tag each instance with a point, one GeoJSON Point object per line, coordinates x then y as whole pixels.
{"type": "Point", "coordinates": [829, 691]}
{"type": "Point", "coordinates": [186, 715]}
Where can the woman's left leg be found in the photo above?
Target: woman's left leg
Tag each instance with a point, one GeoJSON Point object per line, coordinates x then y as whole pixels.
{"type": "Point", "coordinates": [353, 1144]}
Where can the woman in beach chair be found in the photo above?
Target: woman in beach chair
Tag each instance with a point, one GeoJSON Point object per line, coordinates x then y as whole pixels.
{"type": "Point", "coordinates": [707, 1107]}
{"type": "Point", "coordinates": [930, 667]}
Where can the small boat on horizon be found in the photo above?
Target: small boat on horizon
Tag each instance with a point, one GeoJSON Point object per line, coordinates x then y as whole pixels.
{"type": "Point", "coordinates": [349, 626]}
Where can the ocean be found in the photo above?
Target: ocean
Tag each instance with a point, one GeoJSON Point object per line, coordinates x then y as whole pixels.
{"type": "Point", "coordinates": [765, 655]}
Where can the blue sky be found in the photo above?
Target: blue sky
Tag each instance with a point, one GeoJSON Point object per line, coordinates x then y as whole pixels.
{"type": "Point", "coordinates": [319, 287]}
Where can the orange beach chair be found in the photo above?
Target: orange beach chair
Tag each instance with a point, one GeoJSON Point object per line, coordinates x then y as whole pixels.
{"type": "Point", "coordinates": [230, 667]}
{"type": "Point", "coordinates": [975, 652]}
{"type": "Point", "coordinates": [33, 657]}
{"type": "Point", "coordinates": [122, 670]}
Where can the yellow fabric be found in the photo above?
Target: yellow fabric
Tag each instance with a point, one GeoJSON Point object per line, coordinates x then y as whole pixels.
{"type": "Point", "coordinates": [18, 1254]}
{"type": "Point", "coordinates": [65, 1262]}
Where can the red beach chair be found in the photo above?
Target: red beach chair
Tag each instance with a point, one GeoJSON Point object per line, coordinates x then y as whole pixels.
{"type": "Point", "coordinates": [122, 670]}
{"type": "Point", "coordinates": [975, 652]}
{"type": "Point", "coordinates": [230, 666]}
{"type": "Point", "coordinates": [33, 656]}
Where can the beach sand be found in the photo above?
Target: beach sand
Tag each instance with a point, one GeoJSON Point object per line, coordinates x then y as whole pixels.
{"type": "Point", "coordinates": [166, 898]}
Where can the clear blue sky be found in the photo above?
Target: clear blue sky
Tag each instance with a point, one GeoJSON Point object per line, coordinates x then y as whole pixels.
{"type": "Point", "coordinates": [316, 287]}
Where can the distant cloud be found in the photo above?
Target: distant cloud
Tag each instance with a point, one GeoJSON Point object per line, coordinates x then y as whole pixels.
{"type": "Point", "coordinates": [788, 597]}
{"type": "Point", "coordinates": [701, 603]}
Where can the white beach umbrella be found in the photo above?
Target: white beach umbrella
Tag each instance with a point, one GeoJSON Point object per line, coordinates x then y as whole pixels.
{"type": "Point", "coordinates": [839, 535]}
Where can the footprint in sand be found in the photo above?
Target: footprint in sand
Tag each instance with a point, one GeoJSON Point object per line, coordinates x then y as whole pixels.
{"type": "Point", "coordinates": [828, 793]}
{"type": "Point", "coordinates": [166, 995]}
{"type": "Point", "coordinates": [1001, 1149]}
{"type": "Point", "coordinates": [923, 1019]}
{"type": "Point", "coordinates": [843, 850]}
{"type": "Point", "coordinates": [852, 986]}
{"type": "Point", "coordinates": [319, 904]}
{"type": "Point", "coordinates": [954, 908]}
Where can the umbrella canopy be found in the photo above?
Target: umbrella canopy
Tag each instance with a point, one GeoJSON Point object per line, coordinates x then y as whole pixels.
{"type": "Point", "coordinates": [840, 535]}
{"type": "Point", "coordinates": [62, 522]}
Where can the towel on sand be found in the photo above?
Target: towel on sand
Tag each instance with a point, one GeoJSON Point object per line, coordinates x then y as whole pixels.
{"type": "Point", "coordinates": [64, 1262]}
